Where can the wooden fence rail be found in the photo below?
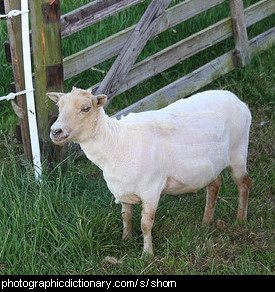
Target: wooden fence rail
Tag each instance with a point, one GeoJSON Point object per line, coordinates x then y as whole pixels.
{"type": "Point", "coordinates": [132, 48]}
{"type": "Point", "coordinates": [49, 27]}
{"type": "Point", "coordinates": [111, 46]}
{"type": "Point", "coordinates": [92, 13]}
{"type": "Point", "coordinates": [190, 46]}
{"type": "Point", "coordinates": [198, 78]}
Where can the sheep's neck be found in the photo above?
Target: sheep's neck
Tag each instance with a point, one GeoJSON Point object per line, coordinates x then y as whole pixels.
{"type": "Point", "coordinates": [101, 145]}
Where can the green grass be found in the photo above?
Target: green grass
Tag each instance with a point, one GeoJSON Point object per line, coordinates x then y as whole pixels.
{"type": "Point", "coordinates": [70, 222]}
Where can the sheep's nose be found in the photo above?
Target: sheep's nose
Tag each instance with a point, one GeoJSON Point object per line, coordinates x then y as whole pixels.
{"type": "Point", "coordinates": [56, 132]}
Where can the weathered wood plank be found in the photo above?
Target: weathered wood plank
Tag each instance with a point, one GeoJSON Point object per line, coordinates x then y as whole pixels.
{"type": "Point", "coordinates": [242, 57]}
{"type": "Point", "coordinates": [184, 11]}
{"type": "Point", "coordinates": [133, 47]}
{"type": "Point", "coordinates": [92, 13]}
{"type": "Point", "coordinates": [176, 53]}
{"type": "Point", "coordinates": [259, 11]}
{"type": "Point", "coordinates": [198, 78]}
{"type": "Point", "coordinates": [111, 46]}
{"type": "Point", "coordinates": [16, 51]}
{"type": "Point", "coordinates": [168, 57]}
{"type": "Point", "coordinates": [48, 69]}
{"type": "Point", "coordinates": [262, 42]}
{"type": "Point", "coordinates": [95, 54]}
{"type": "Point", "coordinates": [183, 86]}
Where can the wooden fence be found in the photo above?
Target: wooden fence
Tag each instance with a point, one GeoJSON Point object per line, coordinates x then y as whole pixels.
{"type": "Point", "coordinates": [49, 27]}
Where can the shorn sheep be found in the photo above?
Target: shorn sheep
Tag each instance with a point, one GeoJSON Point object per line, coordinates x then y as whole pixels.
{"type": "Point", "coordinates": [178, 149]}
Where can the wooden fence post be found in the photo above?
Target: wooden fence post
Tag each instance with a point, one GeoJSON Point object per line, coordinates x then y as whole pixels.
{"type": "Point", "coordinates": [242, 57]}
{"type": "Point", "coordinates": [132, 48]}
{"type": "Point", "coordinates": [48, 67]}
{"type": "Point", "coordinates": [15, 37]}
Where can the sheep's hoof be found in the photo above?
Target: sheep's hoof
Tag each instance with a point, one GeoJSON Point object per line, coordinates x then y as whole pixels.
{"type": "Point", "coordinates": [207, 221]}
{"type": "Point", "coordinates": [147, 256]}
{"type": "Point", "coordinates": [126, 235]}
{"type": "Point", "coordinates": [240, 221]}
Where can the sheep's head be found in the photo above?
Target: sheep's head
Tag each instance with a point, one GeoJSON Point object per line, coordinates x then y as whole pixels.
{"type": "Point", "coordinates": [78, 113]}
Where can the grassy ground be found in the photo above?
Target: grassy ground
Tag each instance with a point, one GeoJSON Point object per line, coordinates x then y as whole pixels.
{"type": "Point", "coordinates": [69, 223]}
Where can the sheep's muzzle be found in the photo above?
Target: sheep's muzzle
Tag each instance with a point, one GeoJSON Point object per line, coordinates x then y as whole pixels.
{"type": "Point", "coordinates": [59, 136]}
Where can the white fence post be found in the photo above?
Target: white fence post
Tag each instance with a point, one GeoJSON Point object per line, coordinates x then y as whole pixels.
{"type": "Point", "coordinates": [24, 12]}
{"type": "Point", "coordinates": [29, 87]}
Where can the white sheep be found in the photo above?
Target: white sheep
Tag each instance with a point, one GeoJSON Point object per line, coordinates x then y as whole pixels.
{"type": "Point", "coordinates": [178, 149]}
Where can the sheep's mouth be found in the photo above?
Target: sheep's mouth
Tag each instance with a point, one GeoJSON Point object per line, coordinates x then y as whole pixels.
{"type": "Point", "coordinates": [60, 140]}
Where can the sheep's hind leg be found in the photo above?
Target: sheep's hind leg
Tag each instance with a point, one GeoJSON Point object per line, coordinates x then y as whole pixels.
{"type": "Point", "coordinates": [244, 184]}
{"type": "Point", "coordinates": [127, 211]}
{"type": "Point", "coordinates": [211, 198]}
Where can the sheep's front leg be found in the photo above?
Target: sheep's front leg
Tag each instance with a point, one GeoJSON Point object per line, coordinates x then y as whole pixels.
{"type": "Point", "coordinates": [127, 211]}
{"type": "Point", "coordinates": [147, 221]}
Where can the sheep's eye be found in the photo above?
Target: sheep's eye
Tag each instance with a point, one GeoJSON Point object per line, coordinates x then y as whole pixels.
{"type": "Point", "coordinates": [85, 108]}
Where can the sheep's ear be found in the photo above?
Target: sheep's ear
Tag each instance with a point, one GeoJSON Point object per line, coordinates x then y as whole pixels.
{"type": "Point", "coordinates": [99, 100]}
{"type": "Point", "coordinates": [55, 96]}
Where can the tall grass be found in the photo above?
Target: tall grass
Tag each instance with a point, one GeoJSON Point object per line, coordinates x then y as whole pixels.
{"type": "Point", "coordinates": [70, 222]}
